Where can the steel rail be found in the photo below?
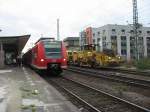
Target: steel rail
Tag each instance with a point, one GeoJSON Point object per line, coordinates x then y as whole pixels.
{"type": "Point", "coordinates": [90, 107]}
{"type": "Point", "coordinates": [132, 81]}
{"type": "Point", "coordinates": [112, 96]}
{"type": "Point", "coordinates": [121, 70]}
{"type": "Point", "coordinates": [134, 72]}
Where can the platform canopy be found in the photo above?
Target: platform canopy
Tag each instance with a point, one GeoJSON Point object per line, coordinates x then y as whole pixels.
{"type": "Point", "coordinates": [11, 47]}
{"type": "Point", "coordinates": [16, 41]}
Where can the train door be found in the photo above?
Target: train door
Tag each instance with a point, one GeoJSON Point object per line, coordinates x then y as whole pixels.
{"type": "Point", "coordinates": [34, 56]}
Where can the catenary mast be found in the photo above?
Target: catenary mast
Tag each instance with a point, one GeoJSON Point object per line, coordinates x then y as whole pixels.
{"type": "Point", "coordinates": [135, 27]}
{"type": "Point", "coordinates": [57, 29]}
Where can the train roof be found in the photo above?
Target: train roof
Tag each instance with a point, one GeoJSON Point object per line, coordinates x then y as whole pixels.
{"type": "Point", "coordinates": [45, 39]}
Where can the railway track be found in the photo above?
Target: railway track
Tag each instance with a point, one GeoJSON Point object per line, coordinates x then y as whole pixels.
{"type": "Point", "coordinates": [93, 99]}
{"type": "Point", "coordinates": [121, 70]}
{"type": "Point", "coordinates": [134, 72]}
{"type": "Point", "coordinates": [118, 78]}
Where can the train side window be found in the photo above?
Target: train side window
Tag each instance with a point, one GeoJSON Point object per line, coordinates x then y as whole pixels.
{"type": "Point", "coordinates": [34, 54]}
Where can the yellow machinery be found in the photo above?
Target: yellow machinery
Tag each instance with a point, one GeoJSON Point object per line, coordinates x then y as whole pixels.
{"type": "Point", "coordinates": [69, 56]}
{"type": "Point", "coordinates": [110, 58]}
{"type": "Point", "coordinates": [85, 57]}
{"type": "Point", "coordinates": [89, 57]}
{"type": "Point", "coordinates": [75, 57]}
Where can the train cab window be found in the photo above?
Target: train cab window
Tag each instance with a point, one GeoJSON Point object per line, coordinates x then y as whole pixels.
{"type": "Point", "coordinates": [109, 52]}
{"type": "Point", "coordinates": [52, 49]}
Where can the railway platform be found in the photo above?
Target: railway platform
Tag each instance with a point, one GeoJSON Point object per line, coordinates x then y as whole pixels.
{"type": "Point", "coordinates": [22, 90]}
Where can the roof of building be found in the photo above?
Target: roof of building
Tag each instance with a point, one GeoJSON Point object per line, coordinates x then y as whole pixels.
{"type": "Point", "coordinates": [116, 25]}
{"type": "Point", "coordinates": [71, 38]}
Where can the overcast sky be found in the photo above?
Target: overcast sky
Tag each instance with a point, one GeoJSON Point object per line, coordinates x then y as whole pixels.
{"type": "Point", "coordinates": [36, 17]}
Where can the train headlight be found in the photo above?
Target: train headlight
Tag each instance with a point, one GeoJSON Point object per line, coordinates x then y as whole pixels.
{"type": "Point", "coordinates": [64, 59]}
{"type": "Point", "coordinates": [109, 58]}
{"type": "Point", "coordinates": [42, 60]}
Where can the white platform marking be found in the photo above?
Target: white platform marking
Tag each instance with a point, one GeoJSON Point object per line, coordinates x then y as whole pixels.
{"type": "Point", "coordinates": [28, 77]}
{"type": "Point", "coordinates": [5, 71]}
{"type": "Point", "coordinates": [35, 102]}
{"type": "Point", "coordinates": [3, 102]}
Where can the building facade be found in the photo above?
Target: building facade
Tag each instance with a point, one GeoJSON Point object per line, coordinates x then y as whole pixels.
{"type": "Point", "coordinates": [120, 38]}
{"type": "Point", "coordinates": [86, 37]}
{"type": "Point", "coordinates": [72, 43]}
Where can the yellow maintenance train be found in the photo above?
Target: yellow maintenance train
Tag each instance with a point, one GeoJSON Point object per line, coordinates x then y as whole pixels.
{"type": "Point", "coordinates": [90, 57]}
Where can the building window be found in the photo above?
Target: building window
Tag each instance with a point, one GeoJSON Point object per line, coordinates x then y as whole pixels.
{"type": "Point", "coordinates": [98, 39]}
{"type": "Point", "coordinates": [113, 37]}
{"type": "Point", "coordinates": [123, 44]}
{"type": "Point", "coordinates": [71, 43]}
{"type": "Point", "coordinates": [113, 30]}
{"type": "Point", "coordinates": [123, 51]}
{"type": "Point", "coordinates": [123, 37]}
{"type": "Point", "coordinates": [148, 51]}
{"type": "Point", "coordinates": [104, 44]}
{"type": "Point", "coordinates": [140, 31]}
{"type": "Point", "coordinates": [140, 38]}
{"type": "Point", "coordinates": [133, 57]}
{"type": "Point", "coordinates": [93, 34]}
{"type": "Point", "coordinates": [104, 38]}
{"type": "Point", "coordinates": [132, 44]}
{"type": "Point", "coordinates": [141, 55]}
{"type": "Point", "coordinates": [103, 31]}
{"type": "Point", "coordinates": [148, 38]}
{"type": "Point", "coordinates": [148, 32]}
{"type": "Point", "coordinates": [148, 44]}
{"type": "Point", "coordinates": [93, 40]}
{"type": "Point", "coordinates": [132, 38]}
{"type": "Point", "coordinates": [131, 31]}
{"type": "Point", "coordinates": [131, 51]}
{"type": "Point", "coordinates": [123, 31]}
{"type": "Point", "coordinates": [98, 33]}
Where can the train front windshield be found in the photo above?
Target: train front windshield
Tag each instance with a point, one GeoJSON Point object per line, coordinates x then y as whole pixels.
{"type": "Point", "coordinates": [109, 52]}
{"type": "Point", "coordinates": [52, 49]}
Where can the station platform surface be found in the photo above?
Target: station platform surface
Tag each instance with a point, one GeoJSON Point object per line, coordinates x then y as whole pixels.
{"type": "Point", "coordinates": [22, 90]}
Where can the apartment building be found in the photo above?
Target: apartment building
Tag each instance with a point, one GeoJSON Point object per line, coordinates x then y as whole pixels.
{"type": "Point", "coordinates": [86, 37]}
{"type": "Point", "coordinates": [119, 38]}
{"type": "Point", "coordinates": [72, 43]}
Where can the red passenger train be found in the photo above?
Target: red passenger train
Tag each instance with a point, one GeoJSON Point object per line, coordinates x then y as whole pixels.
{"type": "Point", "coordinates": [47, 54]}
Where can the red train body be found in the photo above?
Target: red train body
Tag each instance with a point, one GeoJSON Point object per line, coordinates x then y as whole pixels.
{"type": "Point", "coordinates": [47, 54]}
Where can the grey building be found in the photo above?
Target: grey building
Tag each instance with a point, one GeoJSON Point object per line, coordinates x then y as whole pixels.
{"type": "Point", "coordinates": [120, 39]}
{"type": "Point", "coordinates": [72, 43]}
